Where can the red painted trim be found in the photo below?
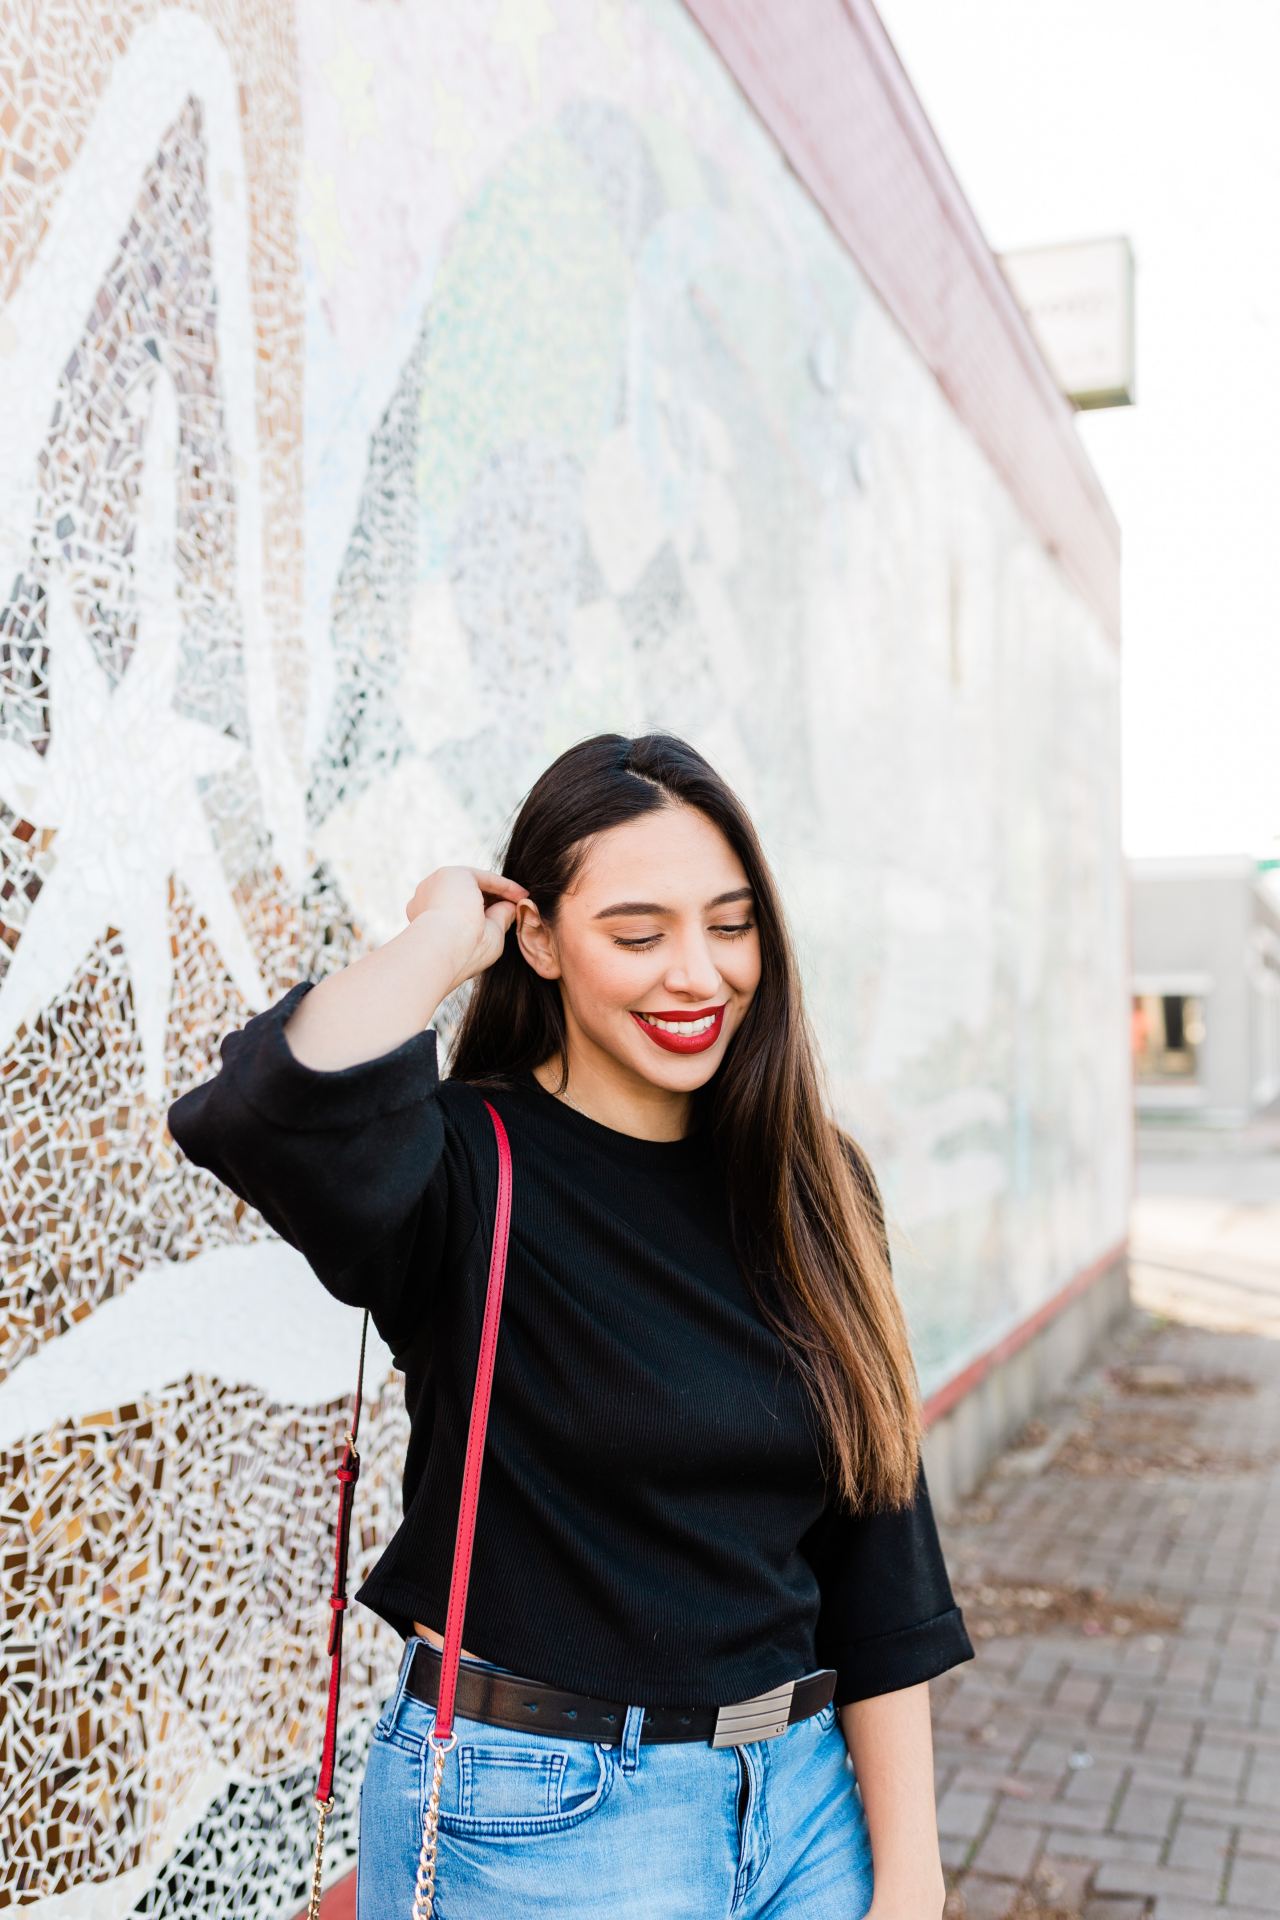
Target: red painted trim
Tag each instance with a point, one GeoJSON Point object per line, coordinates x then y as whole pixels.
{"type": "Point", "coordinates": [339, 1903]}
{"type": "Point", "coordinates": [945, 1397]}
{"type": "Point", "coordinates": [824, 79]}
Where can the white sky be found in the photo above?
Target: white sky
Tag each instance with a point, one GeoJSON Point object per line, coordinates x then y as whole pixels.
{"type": "Point", "coordinates": [1155, 118]}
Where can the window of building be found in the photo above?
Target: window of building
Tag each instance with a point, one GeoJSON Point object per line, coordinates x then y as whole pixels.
{"type": "Point", "coordinates": [1168, 1036]}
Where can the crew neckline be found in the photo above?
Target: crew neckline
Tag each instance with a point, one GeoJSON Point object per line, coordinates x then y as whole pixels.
{"type": "Point", "coordinates": [632, 1146]}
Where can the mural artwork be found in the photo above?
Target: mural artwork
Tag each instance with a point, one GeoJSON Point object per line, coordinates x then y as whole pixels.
{"type": "Point", "coordinates": [394, 395]}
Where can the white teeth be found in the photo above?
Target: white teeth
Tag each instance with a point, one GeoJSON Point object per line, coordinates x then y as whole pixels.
{"type": "Point", "coordinates": [681, 1026]}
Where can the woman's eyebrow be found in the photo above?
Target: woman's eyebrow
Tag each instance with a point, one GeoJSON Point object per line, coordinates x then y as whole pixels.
{"type": "Point", "coordinates": [654, 906]}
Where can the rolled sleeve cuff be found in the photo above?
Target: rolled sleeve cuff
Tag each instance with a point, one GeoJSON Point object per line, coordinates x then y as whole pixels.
{"type": "Point", "coordinates": [270, 1078]}
{"type": "Point", "coordinates": [901, 1658]}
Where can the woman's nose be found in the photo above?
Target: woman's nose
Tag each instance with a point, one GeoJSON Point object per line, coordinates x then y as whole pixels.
{"type": "Point", "coordinates": [695, 972]}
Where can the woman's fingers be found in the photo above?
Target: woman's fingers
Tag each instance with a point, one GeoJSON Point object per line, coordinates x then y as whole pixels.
{"type": "Point", "coordinates": [499, 883]}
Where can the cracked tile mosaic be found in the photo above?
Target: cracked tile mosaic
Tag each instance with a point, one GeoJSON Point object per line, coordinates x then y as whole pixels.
{"type": "Point", "coordinates": [394, 394]}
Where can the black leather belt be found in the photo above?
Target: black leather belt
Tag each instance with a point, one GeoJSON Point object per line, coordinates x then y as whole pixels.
{"type": "Point", "coordinates": [510, 1700]}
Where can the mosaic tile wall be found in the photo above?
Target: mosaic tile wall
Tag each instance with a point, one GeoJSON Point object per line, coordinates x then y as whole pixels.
{"type": "Point", "coordinates": [392, 395]}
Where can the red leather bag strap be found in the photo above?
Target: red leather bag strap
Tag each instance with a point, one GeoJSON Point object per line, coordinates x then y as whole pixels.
{"type": "Point", "coordinates": [348, 1472]}
{"type": "Point", "coordinates": [465, 1536]}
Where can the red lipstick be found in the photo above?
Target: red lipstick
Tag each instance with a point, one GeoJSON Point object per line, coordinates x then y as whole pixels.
{"type": "Point", "coordinates": [682, 1042]}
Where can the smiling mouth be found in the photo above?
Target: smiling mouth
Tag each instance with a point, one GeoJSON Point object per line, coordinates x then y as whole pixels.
{"type": "Point", "coordinates": [682, 1022]}
{"type": "Point", "coordinates": [682, 1032]}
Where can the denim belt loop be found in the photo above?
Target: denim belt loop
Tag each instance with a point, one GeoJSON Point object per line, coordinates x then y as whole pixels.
{"type": "Point", "coordinates": [411, 1646]}
{"type": "Point", "coordinates": [630, 1746]}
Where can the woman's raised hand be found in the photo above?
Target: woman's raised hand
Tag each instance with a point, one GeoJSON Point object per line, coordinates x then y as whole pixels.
{"type": "Point", "coordinates": [458, 920]}
{"type": "Point", "coordinates": [474, 910]}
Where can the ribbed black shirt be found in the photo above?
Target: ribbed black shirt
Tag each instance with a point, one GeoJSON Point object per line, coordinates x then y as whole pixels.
{"type": "Point", "coordinates": [653, 1520]}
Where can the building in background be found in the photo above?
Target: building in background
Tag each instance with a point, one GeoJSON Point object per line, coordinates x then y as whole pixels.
{"type": "Point", "coordinates": [1206, 990]}
{"type": "Point", "coordinates": [394, 395]}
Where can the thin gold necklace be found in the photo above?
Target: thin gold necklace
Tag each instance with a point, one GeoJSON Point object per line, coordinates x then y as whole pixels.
{"type": "Point", "coordinates": [590, 1116]}
{"type": "Point", "coordinates": [567, 1101]}
{"type": "Point", "coordinates": [572, 1103]}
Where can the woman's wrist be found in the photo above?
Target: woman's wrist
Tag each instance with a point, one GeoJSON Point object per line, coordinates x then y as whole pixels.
{"type": "Point", "coordinates": [922, 1875]}
{"type": "Point", "coordinates": [908, 1894]}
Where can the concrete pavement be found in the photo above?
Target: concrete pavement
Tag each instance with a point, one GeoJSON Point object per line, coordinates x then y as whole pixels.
{"type": "Point", "coordinates": [1113, 1752]}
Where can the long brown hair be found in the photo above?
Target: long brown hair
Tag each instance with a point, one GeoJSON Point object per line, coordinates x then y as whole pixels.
{"type": "Point", "coordinates": [807, 1220]}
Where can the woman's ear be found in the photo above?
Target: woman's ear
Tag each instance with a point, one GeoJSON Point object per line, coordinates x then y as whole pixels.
{"type": "Point", "coordinates": [537, 941]}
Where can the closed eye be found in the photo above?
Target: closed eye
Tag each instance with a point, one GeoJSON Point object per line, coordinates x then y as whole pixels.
{"type": "Point", "coordinates": [726, 933]}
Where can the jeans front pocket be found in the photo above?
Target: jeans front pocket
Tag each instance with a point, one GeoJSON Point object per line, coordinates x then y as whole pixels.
{"type": "Point", "coordinates": [508, 1780]}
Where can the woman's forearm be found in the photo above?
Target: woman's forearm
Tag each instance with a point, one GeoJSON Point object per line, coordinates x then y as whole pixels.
{"type": "Point", "coordinates": [890, 1739]}
{"type": "Point", "coordinates": [367, 1008]}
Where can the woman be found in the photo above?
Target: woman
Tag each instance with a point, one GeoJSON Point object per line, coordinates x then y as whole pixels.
{"type": "Point", "coordinates": [702, 1477]}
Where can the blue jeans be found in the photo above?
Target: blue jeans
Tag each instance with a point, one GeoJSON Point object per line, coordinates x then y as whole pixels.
{"type": "Point", "coordinates": [532, 1824]}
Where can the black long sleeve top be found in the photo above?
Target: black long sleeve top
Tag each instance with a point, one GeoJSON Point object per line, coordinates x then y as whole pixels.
{"type": "Point", "coordinates": [654, 1523]}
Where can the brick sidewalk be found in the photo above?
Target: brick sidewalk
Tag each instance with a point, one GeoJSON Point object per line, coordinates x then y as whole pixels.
{"type": "Point", "coordinates": [1113, 1752]}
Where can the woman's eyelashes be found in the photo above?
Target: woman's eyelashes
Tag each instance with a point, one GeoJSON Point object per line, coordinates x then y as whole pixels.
{"type": "Point", "coordinates": [726, 933]}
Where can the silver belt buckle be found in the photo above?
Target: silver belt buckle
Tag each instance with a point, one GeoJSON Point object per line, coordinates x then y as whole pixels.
{"type": "Point", "coordinates": [758, 1718]}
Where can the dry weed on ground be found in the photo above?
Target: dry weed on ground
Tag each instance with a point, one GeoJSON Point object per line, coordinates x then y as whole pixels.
{"type": "Point", "coordinates": [1176, 1380]}
{"type": "Point", "coordinates": [994, 1608]}
{"type": "Point", "coordinates": [1144, 1444]}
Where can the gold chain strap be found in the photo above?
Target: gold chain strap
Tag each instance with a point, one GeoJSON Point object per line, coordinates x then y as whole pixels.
{"type": "Point", "coordinates": [424, 1893]}
{"type": "Point", "coordinates": [313, 1904]}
